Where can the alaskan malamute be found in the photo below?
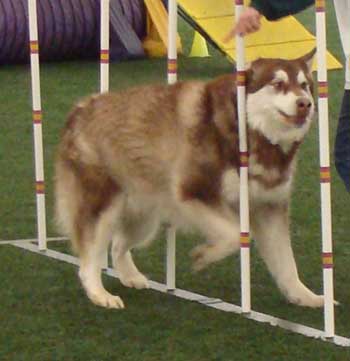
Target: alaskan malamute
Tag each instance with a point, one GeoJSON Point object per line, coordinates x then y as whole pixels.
{"type": "Point", "coordinates": [130, 160]}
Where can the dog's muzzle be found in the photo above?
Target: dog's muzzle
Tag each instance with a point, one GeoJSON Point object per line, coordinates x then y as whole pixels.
{"type": "Point", "coordinates": [303, 109]}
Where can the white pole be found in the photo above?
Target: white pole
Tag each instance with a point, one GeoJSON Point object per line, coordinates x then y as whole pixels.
{"type": "Point", "coordinates": [104, 52]}
{"type": "Point", "coordinates": [172, 78]}
{"type": "Point", "coordinates": [104, 71]}
{"type": "Point", "coordinates": [244, 160]}
{"type": "Point", "coordinates": [326, 215]}
{"type": "Point", "coordinates": [172, 33]}
{"type": "Point", "coordinates": [37, 125]}
{"type": "Point", "coordinates": [171, 259]}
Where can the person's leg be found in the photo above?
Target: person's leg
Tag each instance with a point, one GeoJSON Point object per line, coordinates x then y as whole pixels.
{"type": "Point", "coordinates": [342, 141]}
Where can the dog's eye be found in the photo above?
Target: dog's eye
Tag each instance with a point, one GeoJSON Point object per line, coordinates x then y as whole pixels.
{"type": "Point", "coordinates": [278, 84]}
{"type": "Point", "coordinates": [304, 85]}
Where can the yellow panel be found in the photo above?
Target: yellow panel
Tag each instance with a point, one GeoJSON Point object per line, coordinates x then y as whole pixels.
{"type": "Point", "coordinates": [285, 51]}
{"type": "Point", "coordinates": [285, 30]}
{"type": "Point", "coordinates": [286, 38]}
{"type": "Point", "coordinates": [200, 9]}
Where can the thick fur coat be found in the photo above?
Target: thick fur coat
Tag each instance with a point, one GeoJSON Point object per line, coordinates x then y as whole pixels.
{"type": "Point", "coordinates": [130, 160]}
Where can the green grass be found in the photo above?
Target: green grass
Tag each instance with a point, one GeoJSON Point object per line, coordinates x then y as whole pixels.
{"type": "Point", "coordinates": [44, 314]}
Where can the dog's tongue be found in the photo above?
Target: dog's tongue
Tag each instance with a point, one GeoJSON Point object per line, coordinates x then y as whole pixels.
{"type": "Point", "coordinates": [299, 121]}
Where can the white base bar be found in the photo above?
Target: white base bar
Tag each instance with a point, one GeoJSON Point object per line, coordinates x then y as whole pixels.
{"type": "Point", "coordinates": [15, 241]}
{"type": "Point", "coordinates": [206, 301]}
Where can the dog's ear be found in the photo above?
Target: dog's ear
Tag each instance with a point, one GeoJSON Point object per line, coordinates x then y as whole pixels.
{"type": "Point", "coordinates": [308, 59]}
{"type": "Point", "coordinates": [252, 70]}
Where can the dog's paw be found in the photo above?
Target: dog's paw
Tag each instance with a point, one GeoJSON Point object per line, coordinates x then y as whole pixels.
{"type": "Point", "coordinates": [313, 301]}
{"type": "Point", "coordinates": [207, 253]}
{"type": "Point", "coordinates": [302, 296]}
{"type": "Point", "coordinates": [202, 256]}
{"type": "Point", "coordinates": [105, 299]}
{"type": "Point", "coordinates": [138, 281]}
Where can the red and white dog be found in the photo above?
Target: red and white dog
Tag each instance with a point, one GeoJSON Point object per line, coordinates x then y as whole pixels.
{"type": "Point", "coordinates": [129, 161]}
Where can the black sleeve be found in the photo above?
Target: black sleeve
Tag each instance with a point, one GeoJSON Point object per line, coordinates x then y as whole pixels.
{"type": "Point", "coordinates": [276, 9]}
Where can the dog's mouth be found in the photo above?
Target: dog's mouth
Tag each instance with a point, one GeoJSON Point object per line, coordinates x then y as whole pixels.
{"type": "Point", "coordinates": [294, 120]}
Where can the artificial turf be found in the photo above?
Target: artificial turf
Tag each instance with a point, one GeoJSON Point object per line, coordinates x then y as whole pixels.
{"type": "Point", "coordinates": [44, 314]}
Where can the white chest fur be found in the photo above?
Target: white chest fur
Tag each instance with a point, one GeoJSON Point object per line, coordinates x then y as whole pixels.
{"type": "Point", "coordinates": [258, 192]}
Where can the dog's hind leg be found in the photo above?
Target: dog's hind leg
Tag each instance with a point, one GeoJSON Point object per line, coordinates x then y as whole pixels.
{"type": "Point", "coordinates": [135, 230]}
{"type": "Point", "coordinates": [270, 225]}
{"type": "Point", "coordinates": [96, 237]}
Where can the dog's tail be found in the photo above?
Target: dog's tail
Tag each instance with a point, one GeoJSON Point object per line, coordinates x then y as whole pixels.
{"type": "Point", "coordinates": [67, 186]}
{"type": "Point", "coordinates": [67, 200]}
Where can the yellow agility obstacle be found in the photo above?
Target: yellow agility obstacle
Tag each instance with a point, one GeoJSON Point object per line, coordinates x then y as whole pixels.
{"type": "Point", "coordinates": [199, 47]}
{"type": "Point", "coordinates": [155, 43]}
{"type": "Point", "coordinates": [286, 37]}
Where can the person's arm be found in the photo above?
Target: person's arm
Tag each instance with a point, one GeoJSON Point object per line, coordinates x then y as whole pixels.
{"type": "Point", "coordinates": [276, 9]}
{"type": "Point", "coordinates": [249, 21]}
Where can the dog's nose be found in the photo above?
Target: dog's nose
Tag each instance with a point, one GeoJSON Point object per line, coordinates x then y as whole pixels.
{"type": "Point", "coordinates": [303, 103]}
{"type": "Point", "coordinates": [303, 106]}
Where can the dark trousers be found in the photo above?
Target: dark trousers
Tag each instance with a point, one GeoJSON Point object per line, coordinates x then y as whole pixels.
{"type": "Point", "coordinates": [342, 141]}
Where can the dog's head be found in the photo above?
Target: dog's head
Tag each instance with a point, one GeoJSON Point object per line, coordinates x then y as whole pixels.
{"type": "Point", "coordinates": [280, 101]}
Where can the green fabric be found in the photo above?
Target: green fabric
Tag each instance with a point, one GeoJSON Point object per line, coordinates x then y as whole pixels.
{"type": "Point", "coordinates": [276, 9]}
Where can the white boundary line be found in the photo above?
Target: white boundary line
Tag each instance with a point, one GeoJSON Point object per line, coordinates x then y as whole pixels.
{"type": "Point", "coordinates": [204, 300]}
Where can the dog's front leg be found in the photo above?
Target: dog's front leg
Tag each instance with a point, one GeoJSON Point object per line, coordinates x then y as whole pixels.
{"type": "Point", "coordinates": [219, 225]}
{"type": "Point", "coordinates": [271, 230]}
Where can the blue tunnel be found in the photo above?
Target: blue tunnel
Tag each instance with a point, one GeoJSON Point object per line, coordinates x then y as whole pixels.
{"type": "Point", "coordinates": [70, 29]}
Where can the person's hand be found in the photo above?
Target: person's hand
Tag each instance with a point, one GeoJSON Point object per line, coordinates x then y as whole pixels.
{"type": "Point", "coordinates": [248, 22]}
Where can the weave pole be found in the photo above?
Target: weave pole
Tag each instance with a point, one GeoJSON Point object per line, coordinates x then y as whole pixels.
{"type": "Point", "coordinates": [325, 178]}
{"type": "Point", "coordinates": [244, 162]}
{"type": "Point", "coordinates": [104, 45]}
{"type": "Point", "coordinates": [104, 71]}
{"type": "Point", "coordinates": [172, 78]}
{"type": "Point", "coordinates": [172, 50]}
{"type": "Point", "coordinates": [37, 125]}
